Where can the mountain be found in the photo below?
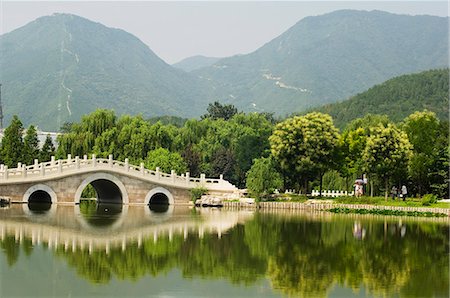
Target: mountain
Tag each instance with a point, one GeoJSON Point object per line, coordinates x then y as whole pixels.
{"type": "Point", "coordinates": [325, 58]}
{"type": "Point", "coordinates": [397, 98]}
{"type": "Point", "coordinates": [195, 62]}
{"type": "Point", "coordinates": [59, 67]}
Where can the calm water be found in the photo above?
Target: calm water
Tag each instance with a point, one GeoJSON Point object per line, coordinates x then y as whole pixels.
{"type": "Point", "coordinates": [108, 250]}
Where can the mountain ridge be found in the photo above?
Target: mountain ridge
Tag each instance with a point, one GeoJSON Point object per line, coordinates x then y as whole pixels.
{"type": "Point", "coordinates": [75, 65]}
{"type": "Point", "coordinates": [346, 51]}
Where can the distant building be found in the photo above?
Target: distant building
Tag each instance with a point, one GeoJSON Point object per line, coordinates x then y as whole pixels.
{"type": "Point", "coordinates": [42, 135]}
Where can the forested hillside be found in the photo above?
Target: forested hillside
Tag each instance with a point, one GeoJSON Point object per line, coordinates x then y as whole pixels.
{"type": "Point", "coordinates": [326, 58]}
{"type": "Point", "coordinates": [397, 98]}
{"type": "Point", "coordinates": [64, 66]}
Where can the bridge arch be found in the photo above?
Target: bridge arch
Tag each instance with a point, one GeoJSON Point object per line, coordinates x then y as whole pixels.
{"type": "Point", "coordinates": [108, 187]}
{"type": "Point", "coordinates": [35, 192]}
{"type": "Point", "coordinates": [158, 192]}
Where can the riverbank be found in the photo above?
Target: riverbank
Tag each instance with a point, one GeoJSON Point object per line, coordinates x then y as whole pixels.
{"type": "Point", "coordinates": [321, 205]}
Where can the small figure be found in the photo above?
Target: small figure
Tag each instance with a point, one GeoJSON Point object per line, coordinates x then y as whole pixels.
{"type": "Point", "coordinates": [404, 192]}
{"type": "Point", "coordinates": [394, 192]}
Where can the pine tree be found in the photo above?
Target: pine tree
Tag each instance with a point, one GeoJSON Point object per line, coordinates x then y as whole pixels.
{"type": "Point", "coordinates": [12, 143]}
{"type": "Point", "coordinates": [31, 145]}
{"type": "Point", "coordinates": [48, 149]}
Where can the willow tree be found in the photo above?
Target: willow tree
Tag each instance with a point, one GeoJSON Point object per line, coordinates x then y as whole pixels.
{"type": "Point", "coordinates": [387, 153]}
{"type": "Point", "coordinates": [263, 179]}
{"type": "Point", "coordinates": [305, 146]}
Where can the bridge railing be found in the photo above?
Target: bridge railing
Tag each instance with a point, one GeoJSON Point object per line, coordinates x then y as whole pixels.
{"type": "Point", "coordinates": [61, 167]}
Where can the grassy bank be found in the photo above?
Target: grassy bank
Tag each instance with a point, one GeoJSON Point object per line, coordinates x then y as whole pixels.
{"type": "Point", "coordinates": [387, 212]}
{"type": "Point", "coordinates": [376, 201]}
{"type": "Point", "coordinates": [380, 201]}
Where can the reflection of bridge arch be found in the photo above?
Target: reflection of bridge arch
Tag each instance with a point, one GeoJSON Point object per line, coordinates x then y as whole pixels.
{"type": "Point", "coordinates": [108, 187]}
{"type": "Point", "coordinates": [158, 217]}
{"type": "Point", "coordinates": [86, 225]}
{"type": "Point", "coordinates": [158, 190]}
{"type": "Point", "coordinates": [42, 217]}
{"type": "Point", "coordinates": [39, 189]}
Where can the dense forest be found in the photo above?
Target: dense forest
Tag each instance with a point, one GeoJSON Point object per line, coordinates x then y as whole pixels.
{"type": "Point", "coordinates": [254, 151]}
{"type": "Point", "coordinates": [396, 98]}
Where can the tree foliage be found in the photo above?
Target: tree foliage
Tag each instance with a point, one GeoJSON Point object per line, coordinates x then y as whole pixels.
{"type": "Point", "coordinates": [12, 143]}
{"type": "Point", "coordinates": [305, 146]}
{"type": "Point", "coordinates": [166, 161]}
{"type": "Point", "coordinates": [218, 111]}
{"type": "Point", "coordinates": [387, 153]}
{"type": "Point", "coordinates": [263, 178]}
{"type": "Point", "coordinates": [31, 146]}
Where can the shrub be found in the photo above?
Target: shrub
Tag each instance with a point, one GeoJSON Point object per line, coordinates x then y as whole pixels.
{"type": "Point", "coordinates": [198, 192]}
{"type": "Point", "coordinates": [429, 199]}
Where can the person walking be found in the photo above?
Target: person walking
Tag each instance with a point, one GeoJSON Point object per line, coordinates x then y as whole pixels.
{"type": "Point", "coordinates": [394, 192]}
{"type": "Point", "coordinates": [404, 192]}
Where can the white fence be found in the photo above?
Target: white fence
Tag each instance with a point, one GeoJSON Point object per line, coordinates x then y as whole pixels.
{"type": "Point", "coordinates": [71, 166]}
{"type": "Point", "coordinates": [332, 193]}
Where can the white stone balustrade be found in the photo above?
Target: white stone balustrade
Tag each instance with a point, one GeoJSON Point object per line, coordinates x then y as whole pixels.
{"type": "Point", "coordinates": [54, 169]}
{"type": "Point", "coordinates": [332, 193]}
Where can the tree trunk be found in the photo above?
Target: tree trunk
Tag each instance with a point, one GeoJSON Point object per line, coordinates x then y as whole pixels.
{"type": "Point", "coordinates": [385, 189]}
{"type": "Point", "coordinates": [320, 187]}
{"type": "Point", "coordinates": [371, 188]}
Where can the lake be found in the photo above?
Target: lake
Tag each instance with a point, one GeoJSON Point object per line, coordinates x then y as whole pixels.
{"type": "Point", "coordinates": [94, 250]}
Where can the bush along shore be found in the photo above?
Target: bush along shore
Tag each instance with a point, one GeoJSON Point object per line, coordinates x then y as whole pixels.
{"type": "Point", "coordinates": [317, 205]}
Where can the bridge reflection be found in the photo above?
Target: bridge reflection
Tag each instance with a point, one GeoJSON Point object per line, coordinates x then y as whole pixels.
{"type": "Point", "coordinates": [95, 227]}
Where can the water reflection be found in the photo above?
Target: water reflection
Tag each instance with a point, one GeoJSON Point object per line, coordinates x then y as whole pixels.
{"type": "Point", "coordinates": [39, 208]}
{"type": "Point", "coordinates": [159, 208]}
{"type": "Point", "coordinates": [100, 214]}
{"type": "Point", "coordinates": [304, 255]}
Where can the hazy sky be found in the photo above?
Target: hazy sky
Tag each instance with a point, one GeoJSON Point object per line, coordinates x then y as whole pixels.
{"type": "Point", "coordinates": [176, 30]}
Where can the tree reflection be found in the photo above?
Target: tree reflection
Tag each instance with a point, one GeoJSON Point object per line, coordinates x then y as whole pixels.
{"type": "Point", "coordinates": [300, 256]}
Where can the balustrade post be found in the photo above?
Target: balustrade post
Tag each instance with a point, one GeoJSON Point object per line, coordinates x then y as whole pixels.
{"type": "Point", "coordinates": [158, 174]}
{"type": "Point", "coordinates": [69, 158]}
{"type": "Point", "coordinates": [127, 164]}
{"type": "Point", "coordinates": [110, 160]}
{"type": "Point", "coordinates": [36, 162]}
{"type": "Point", "coordinates": [85, 157]}
{"type": "Point", "coordinates": [59, 166]}
{"type": "Point", "coordinates": [187, 177]}
{"type": "Point", "coordinates": [24, 171]}
{"type": "Point", "coordinates": [6, 172]}
{"type": "Point", "coordinates": [202, 178]}
{"type": "Point", "coordinates": [2, 167]}
{"type": "Point", "coordinates": [42, 169]}
{"type": "Point", "coordinates": [142, 168]}
{"type": "Point", "coordinates": [52, 161]}
{"type": "Point", "coordinates": [94, 160]}
{"type": "Point", "coordinates": [77, 162]}
{"type": "Point", "coordinates": [172, 175]}
{"type": "Point", "coordinates": [19, 165]}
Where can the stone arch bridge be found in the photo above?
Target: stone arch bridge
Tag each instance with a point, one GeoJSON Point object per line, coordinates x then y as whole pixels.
{"type": "Point", "coordinates": [62, 181]}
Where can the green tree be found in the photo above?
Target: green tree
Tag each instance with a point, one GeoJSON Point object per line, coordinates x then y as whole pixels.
{"type": "Point", "coordinates": [12, 143]}
{"type": "Point", "coordinates": [439, 174]}
{"type": "Point", "coordinates": [165, 160]}
{"type": "Point", "coordinates": [387, 153]}
{"type": "Point", "coordinates": [305, 147]}
{"type": "Point", "coordinates": [263, 178]}
{"type": "Point", "coordinates": [47, 150]}
{"type": "Point", "coordinates": [423, 131]}
{"type": "Point", "coordinates": [31, 145]}
{"type": "Point", "coordinates": [218, 111]}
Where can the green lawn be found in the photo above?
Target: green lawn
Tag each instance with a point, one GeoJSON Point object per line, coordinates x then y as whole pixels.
{"type": "Point", "coordinates": [410, 202]}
